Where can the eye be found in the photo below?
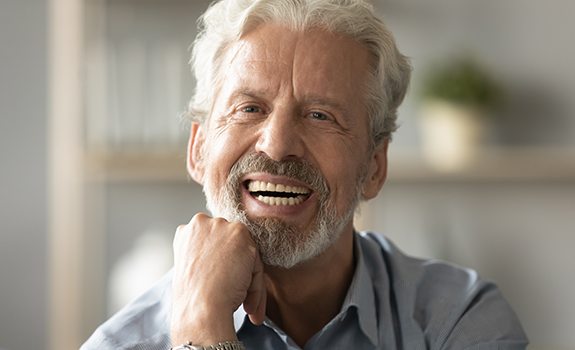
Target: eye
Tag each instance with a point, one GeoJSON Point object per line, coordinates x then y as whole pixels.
{"type": "Point", "coordinates": [318, 116]}
{"type": "Point", "coordinates": [251, 109]}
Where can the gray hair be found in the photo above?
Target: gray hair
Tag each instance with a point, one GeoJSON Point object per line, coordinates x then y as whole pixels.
{"type": "Point", "coordinates": [227, 21]}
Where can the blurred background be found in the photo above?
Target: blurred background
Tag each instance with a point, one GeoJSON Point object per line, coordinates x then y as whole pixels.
{"type": "Point", "coordinates": [92, 147]}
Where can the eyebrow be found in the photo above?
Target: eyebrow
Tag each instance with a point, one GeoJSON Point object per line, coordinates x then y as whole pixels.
{"type": "Point", "coordinates": [306, 100]}
{"type": "Point", "coordinates": [247, 92]}
{"type": "Point", "coordinates": [326, 101]}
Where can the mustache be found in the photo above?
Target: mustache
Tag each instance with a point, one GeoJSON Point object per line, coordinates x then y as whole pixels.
{"type": "Point", "coordinates": [297, 169]}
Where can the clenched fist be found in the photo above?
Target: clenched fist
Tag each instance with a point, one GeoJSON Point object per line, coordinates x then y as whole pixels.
{"type": "Point", "coordinates": [217, 268]}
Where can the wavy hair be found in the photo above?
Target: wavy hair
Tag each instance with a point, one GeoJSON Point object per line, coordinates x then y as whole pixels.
{"type": "Point", "coordinates": [227, 21]}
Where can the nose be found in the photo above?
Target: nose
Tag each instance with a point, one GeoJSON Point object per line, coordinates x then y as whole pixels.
{"type": "Point", "coordinates": [281, 136]}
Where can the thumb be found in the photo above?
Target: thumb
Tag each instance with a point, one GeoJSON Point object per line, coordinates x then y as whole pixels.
{"type": "Point", "coordinates": [255, 302]}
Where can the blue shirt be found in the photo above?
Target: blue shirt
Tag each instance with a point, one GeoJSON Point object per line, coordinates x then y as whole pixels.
{"type": "Point", "coordinates": [394, 302]}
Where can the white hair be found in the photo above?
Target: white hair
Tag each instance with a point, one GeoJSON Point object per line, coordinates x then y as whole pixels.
{"type": "Point", "coordinates": [227, 21]}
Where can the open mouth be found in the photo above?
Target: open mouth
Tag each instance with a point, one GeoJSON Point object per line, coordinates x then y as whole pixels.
{"type": "Point", "coordinates": [277, 194]}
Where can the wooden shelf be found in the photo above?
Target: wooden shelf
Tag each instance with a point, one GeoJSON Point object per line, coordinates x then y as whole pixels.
{"type": "Point", "coordinates": [137, 167]}
{"type": "Point", "coordinates": [497, 164]}
{"type": "Point", "coordinates": [494, 164]}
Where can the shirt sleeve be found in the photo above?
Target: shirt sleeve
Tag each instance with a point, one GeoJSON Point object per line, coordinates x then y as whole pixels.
{"type": "Point", "coordinates": [141, 325]}
{"type": "Point", "coordinates": [486, 322]}
{"type": "Point", "coordinates": [98, 341]}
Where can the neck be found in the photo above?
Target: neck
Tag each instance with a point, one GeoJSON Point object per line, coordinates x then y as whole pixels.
{"type": "Point", "coordinates": [302, 300]}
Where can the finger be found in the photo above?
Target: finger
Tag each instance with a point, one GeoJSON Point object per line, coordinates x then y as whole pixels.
{"type": "Point", "coordinates": [260, 314]}
{"type": "Point", "coordinates": [184, 230]}
{"type": "Point", "coordinates": [177, 241]}
{"type": "Point", "coordinates": [257, 316]}
{"type": "Point", "coordinates": [179, 231]}
{"type": "Point", "coordinates": [254, 291]}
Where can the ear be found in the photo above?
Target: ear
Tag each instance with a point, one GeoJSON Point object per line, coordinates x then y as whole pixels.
{"type": "Point", "coordinates": [195, 160]}
{"type": "Point", "coordinates": [376, 172]}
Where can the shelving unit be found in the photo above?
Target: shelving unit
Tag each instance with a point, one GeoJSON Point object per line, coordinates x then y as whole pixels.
{"type": "Point", "coordinates": [121, 118]}
{"type": "Point", "coordinates": [139, 113]}
{"type": "Point", "coordinates": [405, 165]}
{"type": "Point", "coordinates": [127, 167]}
{"type": "Point", "coordinates": [492, 164]}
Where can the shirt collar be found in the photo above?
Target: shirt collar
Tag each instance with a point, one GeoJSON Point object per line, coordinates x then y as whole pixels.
{"type": "Point", "coordinates": [359, 295]}
{"type": "Point", "coordinates": [239, 318]}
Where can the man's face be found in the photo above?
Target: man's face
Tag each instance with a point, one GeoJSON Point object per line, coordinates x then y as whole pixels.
{"type": "Point", "coordinates": [286, 147]}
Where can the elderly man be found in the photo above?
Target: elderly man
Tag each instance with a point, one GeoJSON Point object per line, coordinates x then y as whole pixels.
{"type": "Point", "coordinates": [294, 108]}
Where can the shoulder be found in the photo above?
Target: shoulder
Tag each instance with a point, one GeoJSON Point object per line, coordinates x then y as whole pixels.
{"type": "Point", "coordinates": [142, 324]}
{"type": "Point", "coordinates": [450, 306]}
{"type": "Point", "coordinates": [412, 274]}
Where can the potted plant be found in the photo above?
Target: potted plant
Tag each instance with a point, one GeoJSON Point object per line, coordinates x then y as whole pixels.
{"type": "Point", "coordinates": [458, 99]}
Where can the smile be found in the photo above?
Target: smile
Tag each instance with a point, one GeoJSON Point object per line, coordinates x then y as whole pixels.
{"type": "Point", "coordinates": [278, 194]}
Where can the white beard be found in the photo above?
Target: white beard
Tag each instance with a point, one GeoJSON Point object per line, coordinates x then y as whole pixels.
{"type": "Point", "coordinates": [281, 244]}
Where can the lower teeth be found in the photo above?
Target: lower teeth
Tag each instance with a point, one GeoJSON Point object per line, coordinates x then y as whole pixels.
{"type": "Point", "coordinates": [280, 200]}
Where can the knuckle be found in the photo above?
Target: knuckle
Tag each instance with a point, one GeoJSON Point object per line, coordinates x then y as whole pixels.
{"type": "Point", "coordinates": [239, 231]}
{"type": "Point", "coordinates": [179, 232]}
{"type": "Point", "coordinates": [199, 218]}
{"type": "Point", "coordinates": [220, 221]}
{"type": "Point", "coordinates": [237, 226]}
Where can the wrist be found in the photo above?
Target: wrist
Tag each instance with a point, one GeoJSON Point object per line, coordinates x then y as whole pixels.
{"type": "Point", "coordinates": [227, 345]}
{"type": "Point", "coordinates": [202, 328]}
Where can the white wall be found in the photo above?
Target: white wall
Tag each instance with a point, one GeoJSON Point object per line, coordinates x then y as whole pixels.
{"type": "Point", "coordinates": [517, 233]}
{"type": "Point", "coordinates": [527, 45]}
{"type": "Point", "coordinates": [23, 212]}
{"type": "Point", "coordinates": [520, 235]}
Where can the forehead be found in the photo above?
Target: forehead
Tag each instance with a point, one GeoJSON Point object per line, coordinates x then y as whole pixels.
{"type": "Point", "coordinates": [314, 62]}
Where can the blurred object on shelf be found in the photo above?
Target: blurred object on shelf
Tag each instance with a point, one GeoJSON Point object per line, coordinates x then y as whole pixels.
{"type": "Point", "coordinates": [137, 76]}
{"type": "Point", "coordinates": [457, 100]}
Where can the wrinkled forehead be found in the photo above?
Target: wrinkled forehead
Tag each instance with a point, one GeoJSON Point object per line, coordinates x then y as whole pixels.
{"type": "Point", "coordinates": [313, 62]}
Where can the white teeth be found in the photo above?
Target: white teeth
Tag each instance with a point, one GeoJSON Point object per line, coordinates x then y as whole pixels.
{"type": "Point", "coordinates": [259, 186]}
{"type": "Point", "coordinates": [280, 200]}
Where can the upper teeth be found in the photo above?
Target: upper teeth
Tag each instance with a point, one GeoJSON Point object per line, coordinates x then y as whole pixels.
{"type": "Point", "coordinates": [261, 186]}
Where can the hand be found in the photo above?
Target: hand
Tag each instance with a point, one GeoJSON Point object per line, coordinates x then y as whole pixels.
{"type": "Point", "coordinates": [217, 268]}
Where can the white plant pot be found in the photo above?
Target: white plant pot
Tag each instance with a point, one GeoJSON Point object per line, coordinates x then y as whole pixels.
{"type": "Point", "coordinates": [451, 134]}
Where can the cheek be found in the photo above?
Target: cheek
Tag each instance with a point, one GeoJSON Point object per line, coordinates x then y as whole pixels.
{"type": "Point", "coordinates": [224, 150]}
{"type": "Point", "coordinates": [342, 169]}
